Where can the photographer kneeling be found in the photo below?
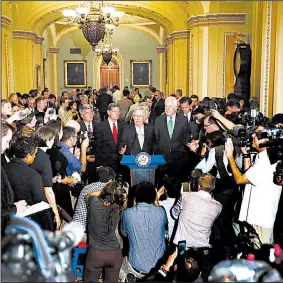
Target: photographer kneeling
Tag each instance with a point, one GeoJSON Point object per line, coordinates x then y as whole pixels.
{"type": "Point", "coordinates": [180, 267]}
{"type": "Point", "coordinates": [261, 196]}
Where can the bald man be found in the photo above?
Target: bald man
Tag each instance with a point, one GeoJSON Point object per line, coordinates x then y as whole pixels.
{"type": "Point", "coordinates": [171, 131]}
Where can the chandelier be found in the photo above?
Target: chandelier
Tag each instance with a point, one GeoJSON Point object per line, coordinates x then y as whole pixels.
{"type": "Point", "coordinates": [94, 18]}
{"type": "Point", "coordinates": [106, 48]}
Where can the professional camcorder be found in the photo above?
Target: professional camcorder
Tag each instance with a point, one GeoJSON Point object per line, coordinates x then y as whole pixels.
{"type": "Point", "coordinates": [30, 254]}
{"type": "Point", "coordinates": [83, 135]}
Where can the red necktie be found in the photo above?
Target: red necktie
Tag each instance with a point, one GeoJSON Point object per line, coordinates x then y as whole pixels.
{"type": "Point", "coordinates": [115, 134]}
{"type": "Point", "coordinates": [88, 128]}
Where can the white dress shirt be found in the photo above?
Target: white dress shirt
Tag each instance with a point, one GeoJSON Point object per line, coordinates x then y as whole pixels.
{"type": "Point", "coordinates": [140, 134]}
{"type": "Point", "coordinates": [173, 119]}
{"type": "Point", "coordinates": [116, 96]}
{"type": "Point", "coordinates": [90, 124]}
{"type": "Point", "coordinates": [111, 125]}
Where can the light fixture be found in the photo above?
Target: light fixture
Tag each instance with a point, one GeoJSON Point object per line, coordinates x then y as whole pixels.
{"type": "Point", "coordinates": [106, 48]}
{"type": "Point", "coordinates": [94, 18]}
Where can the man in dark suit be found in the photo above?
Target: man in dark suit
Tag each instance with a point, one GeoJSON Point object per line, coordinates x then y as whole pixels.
{"type": "Point", "coordinates": [103, 101]}
{"type": "Point", "coordinates": [171, 132]}
{"type": "Point", "coordinates": [159, 105]}
{"type": "Point", "coordinates": [87, 126]}
{"type": "Point", "coordinates": [137, 137]}
{"type": "Point", "coordinates": [106, 138]}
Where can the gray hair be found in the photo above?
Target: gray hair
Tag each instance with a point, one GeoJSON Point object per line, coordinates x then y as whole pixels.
{"type": "Point", "coordinates": [139, 109]}
{"type": "Point", "coordinates": [172, 100]}
{"type": "Point", "coordinates": [83, 96]}
{"type": "Point", "coordinates": [112, 105]}
{"type": "Point", "coordinates": [84, 107]}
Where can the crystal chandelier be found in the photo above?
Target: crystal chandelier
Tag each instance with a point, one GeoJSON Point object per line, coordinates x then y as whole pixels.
{"type": "Point", "coordinates": [106, 48]}
{"type": "Point", "coordinates": [93, 17]}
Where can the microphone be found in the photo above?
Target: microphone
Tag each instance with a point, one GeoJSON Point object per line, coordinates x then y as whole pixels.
{"type": "Point", "coordinates": [70, 236]}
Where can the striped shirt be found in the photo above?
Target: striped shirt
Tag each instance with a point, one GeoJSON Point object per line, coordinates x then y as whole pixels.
{"type": "Point", "coordinates": [82, 208]}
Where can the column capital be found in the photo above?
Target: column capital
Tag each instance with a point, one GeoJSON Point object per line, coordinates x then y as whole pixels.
{"type": "Point", "coordinates": [182, 34]}
{"type": "Point", "coordinates": [39, 39]}
{"type": "Point", "coordinates": [217, 19]}
{"type": "Point", "coordinates": [169, 39]}
{"type": "Point", "coordinates": [161, 49]}
{"type": "Point", "coordinates": [53, 50]}
{"type": "Point", "coordinates": [5, 21]}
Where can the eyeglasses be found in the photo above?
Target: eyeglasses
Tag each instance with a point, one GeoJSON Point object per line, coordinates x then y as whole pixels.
{"type": "Point", "coordinates": [137, 116]}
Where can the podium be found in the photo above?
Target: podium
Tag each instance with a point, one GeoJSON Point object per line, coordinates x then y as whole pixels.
{"type": "Point", "coordinates": [142, 166]}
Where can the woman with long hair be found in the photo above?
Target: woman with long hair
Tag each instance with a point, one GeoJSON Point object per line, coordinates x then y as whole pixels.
{"type": "Point", "coordinates": [104, 251]}
{"type": "Point", "coordinates": [59, 164]}
{"type": "Point", "coordinates": [73, 112]}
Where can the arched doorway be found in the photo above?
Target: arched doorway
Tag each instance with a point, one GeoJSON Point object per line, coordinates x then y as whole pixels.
{"type": "Point", "coordinates": [109, 75]}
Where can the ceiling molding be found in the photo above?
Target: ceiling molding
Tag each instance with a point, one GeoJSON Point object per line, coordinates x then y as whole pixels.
{"type": "Point", "coordinates": [217, 19]}
{"type": "Point", "coordinates": [27, 35]}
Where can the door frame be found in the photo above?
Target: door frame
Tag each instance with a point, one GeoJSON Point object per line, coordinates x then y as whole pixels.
{"type": "Point", "coordinates": [106, 68]}
{"type": "Point", "coordinates": [97, 60]}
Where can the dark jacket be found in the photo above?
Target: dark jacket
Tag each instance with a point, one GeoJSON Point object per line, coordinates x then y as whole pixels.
{"type": "Point", "coordinates": [7, 201]}
{"type": "Point", "coordinates": [129, 138]}
{"type": "Point", "coordinates": [106, 150]}
{"type": "Point", "coordinates": [26, 183]}
{"type": "Point", "coordinates": [159, 107]}
{"type": "Point", "coordinates": [172, 149]}
{"type": "Point", "coordinates": [103, 101]}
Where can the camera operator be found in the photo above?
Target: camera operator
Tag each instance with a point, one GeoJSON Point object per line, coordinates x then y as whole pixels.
{"type": "Point", "coordinates": [178, 268]}
{"type": "Point", "coordinates": [87, 126]}
{"type": "Point", "coordinates": [261, 196]}
{"type": "Point", "coordinates": [69, 140]}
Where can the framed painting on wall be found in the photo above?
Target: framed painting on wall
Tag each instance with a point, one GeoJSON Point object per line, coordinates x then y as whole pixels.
{"type": "Point", "coordinates": [141, 72]}
{"type": "Point", "coordinates": [75, 73]}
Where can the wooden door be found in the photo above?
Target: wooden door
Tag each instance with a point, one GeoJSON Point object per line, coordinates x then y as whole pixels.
{"type": "Point", "coordinates": [109, 76]}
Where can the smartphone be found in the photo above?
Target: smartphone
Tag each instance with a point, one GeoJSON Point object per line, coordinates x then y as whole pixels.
{"type": "Point", "coordinates": [182, 247]}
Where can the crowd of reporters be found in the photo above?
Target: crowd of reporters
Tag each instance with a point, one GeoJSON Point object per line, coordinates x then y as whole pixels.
{"type": "Point", "coordinates": [222, 178]}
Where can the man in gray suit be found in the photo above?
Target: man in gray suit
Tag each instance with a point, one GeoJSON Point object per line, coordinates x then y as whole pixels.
{"type": "Point", "coordinates": [124, 105]}
{"type": "Point", "coordinates": [171, 132]}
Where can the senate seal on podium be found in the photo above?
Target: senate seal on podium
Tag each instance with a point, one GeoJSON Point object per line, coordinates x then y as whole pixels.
{"type": "Point", "coordinates": [143, 159]}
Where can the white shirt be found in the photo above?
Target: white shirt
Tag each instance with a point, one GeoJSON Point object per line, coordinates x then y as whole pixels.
{"type": "Point", "coordinates": [188, 115]}
{"type": "Point", "coordinates": [205, 165]}
{"type": "Point", "coordinates": [261, 197]}
{"type": "Point", "coordinates": [116, 95]}
{"type": "Point", "coordinates": [111, 125]}
{"type": "Point", "coordinates": [140, 134]}
{"type": "Point", "coordinates": [86, 124]}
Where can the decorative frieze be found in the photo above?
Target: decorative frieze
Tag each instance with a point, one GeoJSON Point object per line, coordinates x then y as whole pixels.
{"type": "Point", "coordinates": [5, 21]}
{"type": "Point", "coordinates": [161, 49]}
{"type": "Point", "coordinates": [53, 50]}
{"type": "Point", "coordinates": [182, 34]}
{"type": "Point", "coordinates": [27, 35]}
{"type": "Point", "coordinates": [217, 19]}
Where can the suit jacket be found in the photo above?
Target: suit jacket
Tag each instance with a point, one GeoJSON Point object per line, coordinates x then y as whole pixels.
{"type": "Point", "coordinates": [172, 149]}
{"type": "Point", "coordinates": [103, 101]}
{"type": "Point", "coordinates": [84, 128]}
{"type": "Point", "coordinates": [152, 117]}
{"type": "Point", "coordinates": [129, 138]}
{"type": "Point", "coordinates": [159, 107]}
{"type": "Point", "coordinates": [106, 150]}
{"type": "Point", "coordinates": [124, 105]}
